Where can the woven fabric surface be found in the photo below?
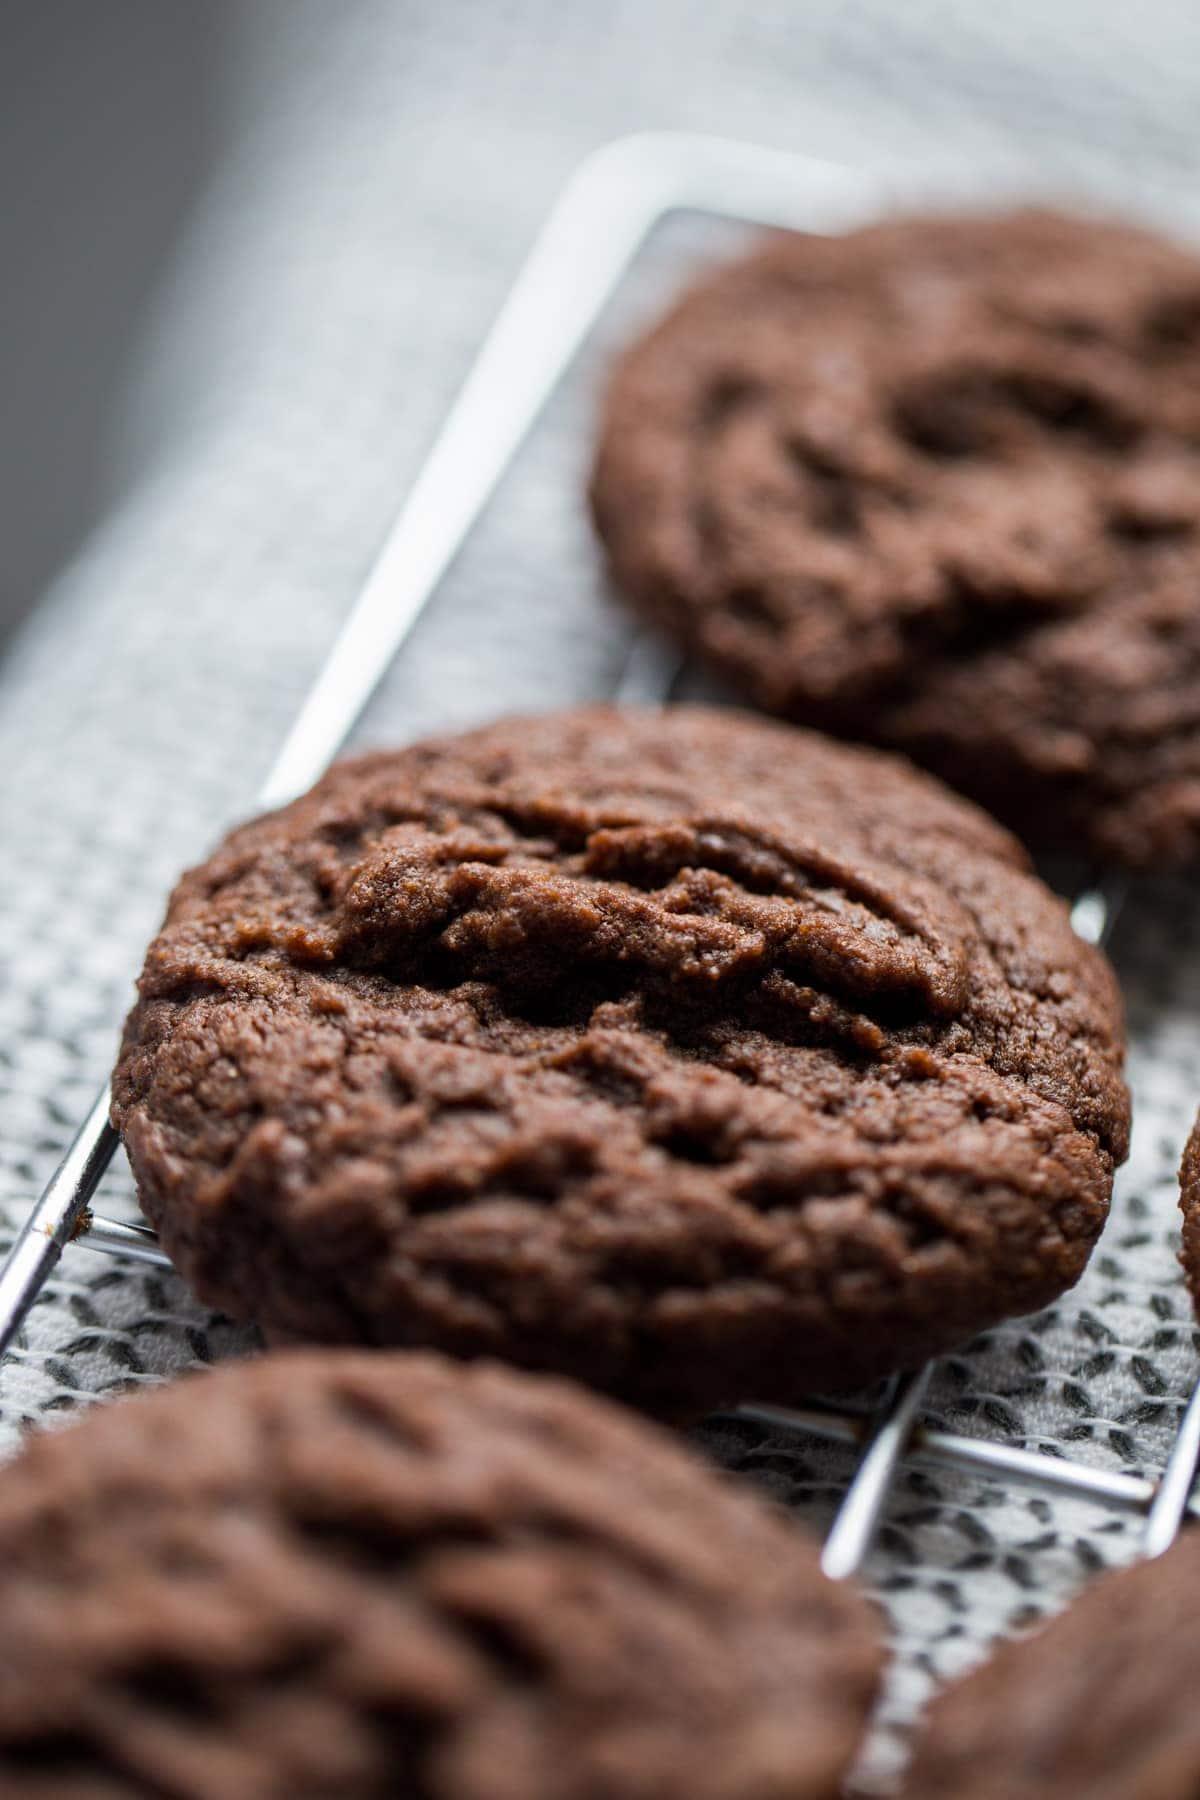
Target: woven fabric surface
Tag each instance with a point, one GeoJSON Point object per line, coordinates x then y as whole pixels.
{"type": "Point", "coordinates": [384, 169]}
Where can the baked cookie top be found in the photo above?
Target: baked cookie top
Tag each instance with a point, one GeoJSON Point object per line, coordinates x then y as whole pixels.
{"type": "Point", "coordinates": [1101, 1702]}
{"type": "Point", "coordinates": [692, 1055]}
{"type": "Point", "coordinates": [936, 484]}
{"type": "Point", "coordinates": [363, 1575]}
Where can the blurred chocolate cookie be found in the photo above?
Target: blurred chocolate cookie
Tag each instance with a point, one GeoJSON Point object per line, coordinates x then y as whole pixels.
{"type": "Point", "coordinates": [936, 484]}
{"type": "Point", "coordinates": [371, 1576]}
{"type": "Point", "coordinates": [1098, 1703]}
{"type": "Point", "coordinates": [1189, 1200]}
{"type": "Point", "coordinates": [689, 1054]}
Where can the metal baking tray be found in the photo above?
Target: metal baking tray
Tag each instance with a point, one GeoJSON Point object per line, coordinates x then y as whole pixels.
{"type": "Point", "coordinates": [906, 1477]}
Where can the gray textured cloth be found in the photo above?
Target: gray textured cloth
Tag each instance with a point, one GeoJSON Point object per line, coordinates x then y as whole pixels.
{"type": "Point", "coordinates": [385, 167]}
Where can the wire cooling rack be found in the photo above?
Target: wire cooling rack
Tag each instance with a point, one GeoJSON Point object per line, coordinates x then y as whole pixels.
{"type": "Point", "coordinates": [608, 211]}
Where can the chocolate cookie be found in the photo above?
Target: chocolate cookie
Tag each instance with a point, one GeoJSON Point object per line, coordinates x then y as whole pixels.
{"type": "Point", "coordinates": [692, 1055]}
{"type": "Point", "coordinates": [355, 1575]}
{"type": "Point", "coordinates": [1100, 1703]}
{"type": "Point", "coordinates": [936, 484]}
{"type": "Point", "coordinates": [1189, 1200]}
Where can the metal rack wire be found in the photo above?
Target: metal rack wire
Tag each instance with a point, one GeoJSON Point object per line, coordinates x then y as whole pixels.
{"type": "Point", "coordinates": [608, 209]}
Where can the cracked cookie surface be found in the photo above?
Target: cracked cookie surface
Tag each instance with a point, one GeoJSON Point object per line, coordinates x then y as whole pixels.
{"type": "Point", "coordinates": [936, 484]}
{"type": "Point", "coordinates": [686, 1053]}
{"type": "Point", "coordinates": [355, 1574]}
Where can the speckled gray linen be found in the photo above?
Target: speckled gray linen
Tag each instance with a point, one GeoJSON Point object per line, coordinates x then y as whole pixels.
{"type": "Point", "coordinates": [385, 166]}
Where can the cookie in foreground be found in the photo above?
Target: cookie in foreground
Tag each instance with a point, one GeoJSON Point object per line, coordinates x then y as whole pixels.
{"type": "Point", "coordinates": [936, 484]}
{"type": "Point", "coordinates": [1101, 1702]}
{"type": "Point", "coordinates": [686, 1053]}
{"type": "Point", "coordinates": [367, 1574]}
{"type": "Point", "coordinates": [1189, 1201]}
